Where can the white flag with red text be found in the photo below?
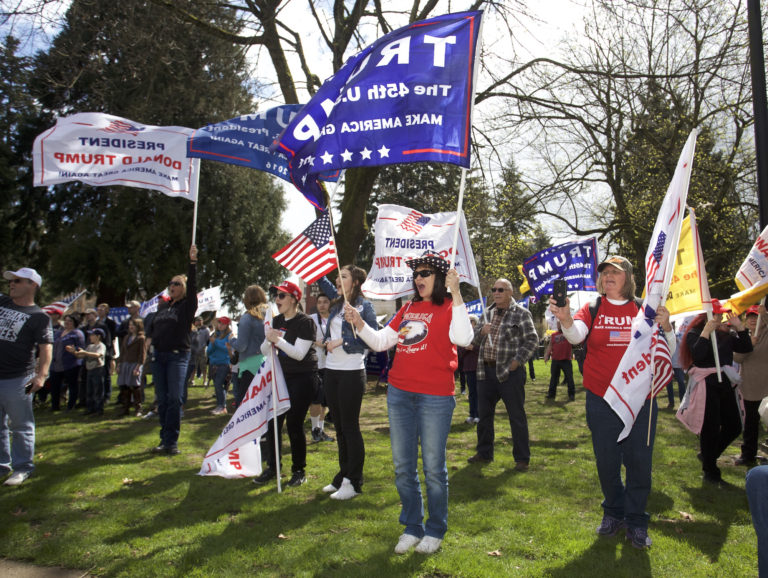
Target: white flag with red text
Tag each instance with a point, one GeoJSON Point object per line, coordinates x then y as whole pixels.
{"type": "Point", "coordinates": [236, 453]}
{"type": "Point", "coordinates": [632, 382]}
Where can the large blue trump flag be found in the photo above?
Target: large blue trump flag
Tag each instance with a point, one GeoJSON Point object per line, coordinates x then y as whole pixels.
{"type": "Point", "coordinates": [405, 98]}
{"type": "Point", "coordinates": [575, 262]}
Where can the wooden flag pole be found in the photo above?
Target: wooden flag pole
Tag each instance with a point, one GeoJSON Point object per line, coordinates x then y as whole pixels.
{"type": "Point", "coordinates": [274, 407]}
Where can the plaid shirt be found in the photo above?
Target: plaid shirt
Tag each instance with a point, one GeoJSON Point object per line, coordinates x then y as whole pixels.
{"type": "Point", "coordinates": [517, 340]}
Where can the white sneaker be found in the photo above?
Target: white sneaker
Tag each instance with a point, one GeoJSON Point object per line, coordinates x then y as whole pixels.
{"type": "Point", "coordinates": [476, 420]}
{"type": "Point", "coordinates": [16, 479]}
{"type": "Point", "coordinates": [405, 543]}
{"type": "Point", "coordinates": [469, 420]}
{"type": "Point", "coordinates": [429, 545]}
{"type": "Point", "coordinates": [329, 489]}
{"type": "Point", "coordinates": [346, 491]}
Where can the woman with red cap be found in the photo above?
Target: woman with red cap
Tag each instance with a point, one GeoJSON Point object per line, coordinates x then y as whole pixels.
{"type": "Point", "coordinates": [722, 422]}
{"type": "Point", "coordinates": [293, 335]}
{"type": "Point", "coordinates": [420, 396]}
{"type": "Point", "coordinates": [753, 386]}
{"type": "Point", "coordinates": [218, 357]}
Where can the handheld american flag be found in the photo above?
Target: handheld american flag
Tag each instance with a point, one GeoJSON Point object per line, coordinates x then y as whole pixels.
{"type": "Point", "coordinates": [312, 254]}
{"type": "Point", "coordinates": [645, 358]}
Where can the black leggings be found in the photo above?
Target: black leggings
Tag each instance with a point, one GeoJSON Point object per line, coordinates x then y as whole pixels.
{"type": "Point", "coordinates": [301, 388]}
{"type": "Point", "coordinates": [344, 391]}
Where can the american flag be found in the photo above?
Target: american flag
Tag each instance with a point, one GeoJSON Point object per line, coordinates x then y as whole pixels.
{"type": "Point", "coordinates": [662, 362]}
{"type": "Point", "coordinates": [120, 126]}
{"type": "Point", "coordinates": [312, 254]}
{"type": "Point", "coordinates": [414, 222]}
{"type": "Point", "coordinates": [64, 303]}
{"type": "Point", "coordinates": [654, 259]}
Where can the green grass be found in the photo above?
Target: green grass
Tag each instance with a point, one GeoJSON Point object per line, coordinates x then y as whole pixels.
{"type": "Point", "coordinates": [101, 503]}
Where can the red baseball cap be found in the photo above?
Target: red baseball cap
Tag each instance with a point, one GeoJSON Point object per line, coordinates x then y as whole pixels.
{"type": "Point", "coordinates": [224, 319]}
{"type": "Point", "coordinates": [754, 310]}
{"type": "Point", "coordinates": [290, 288]}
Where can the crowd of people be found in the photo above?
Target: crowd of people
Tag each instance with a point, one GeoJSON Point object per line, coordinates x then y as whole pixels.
{"type": "Point", "coordinates": [323, 359]}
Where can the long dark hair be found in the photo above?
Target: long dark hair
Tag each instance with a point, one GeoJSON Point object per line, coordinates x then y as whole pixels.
{"type": "Point", "coordinates": [686, 357]}
{"type": "Point", "coordinates": [439, 290]}
{"type": "Point", "coordinates": [358, 276]}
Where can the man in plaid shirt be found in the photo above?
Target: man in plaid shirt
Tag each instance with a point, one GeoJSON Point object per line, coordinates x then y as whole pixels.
{"type": "Point", "coordinates": [506, 344]}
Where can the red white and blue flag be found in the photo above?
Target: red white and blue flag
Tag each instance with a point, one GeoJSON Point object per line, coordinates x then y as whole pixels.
{"type": "Point", "coordinates": [312, 254]}
{"type": "Point", "coordinates": [63, 304]}
{"type": "Point", "coordinates": [647, 355]}
{"type": "Point", "coordinates": [405, 98]}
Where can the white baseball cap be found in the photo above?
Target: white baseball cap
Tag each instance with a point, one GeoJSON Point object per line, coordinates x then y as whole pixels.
{"type": "Point", "coordinates": [24, 273]}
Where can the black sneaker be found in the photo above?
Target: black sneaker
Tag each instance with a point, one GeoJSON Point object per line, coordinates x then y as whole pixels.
{"type": "Point", "coordinates": [316, 434]}
{"type": "Point", "coordinates": [297, 479]}
{"type": "Point", "coordinates": [264, 477]}
{"type": "Point", "coordinates": [161, 449]}
{"type": "Point", "coordinates": [638, 537]}
{"type": "Point", "coordinates": [479, 459]}
{"type": "Point", "coordinates": [611, 526]}
{"type": "Point", "coordinates": [324, 437]}
{"type": "Point", "coordinates": [173, 450]}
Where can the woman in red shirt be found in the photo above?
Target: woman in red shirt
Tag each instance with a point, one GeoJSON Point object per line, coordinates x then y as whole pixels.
{"type": "Point", "coordinates": [420, 400]}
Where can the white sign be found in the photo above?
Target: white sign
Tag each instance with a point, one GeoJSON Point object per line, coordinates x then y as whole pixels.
{"type": "Point", "coordinates": [402, 234]}
{"type": "Point", "coordinates": [104, 150]}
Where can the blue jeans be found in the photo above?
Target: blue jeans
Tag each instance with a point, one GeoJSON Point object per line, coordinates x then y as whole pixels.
{"type": "Point", "coordinates": [17, 426]}
{"type": "Point", "coordinates": [415, 417]}
{"type": "Point", "coordinates": [757, 494]}
{"type": "Point", "coordinates": [623, 502]}
{"type": "Point", "coordinates": [219, 375]}
{"type": "Point", "coordinates": [168, 372]}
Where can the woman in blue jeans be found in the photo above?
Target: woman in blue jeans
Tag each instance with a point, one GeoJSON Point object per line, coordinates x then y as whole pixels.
{"type": "Point", "coordinates": [170, 333]}
{"type": "Point", "coordinates": [420, 400]}
{"type": "Point", "coordinates": [218, 357]}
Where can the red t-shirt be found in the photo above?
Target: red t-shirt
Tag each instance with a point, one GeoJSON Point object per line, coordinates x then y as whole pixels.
{"type": "Point", "coordinates": [425, 359]}
{"type": "Point", "coordinates": [606, 343]}
{"type": "Point", "coordinates": [561, 348]}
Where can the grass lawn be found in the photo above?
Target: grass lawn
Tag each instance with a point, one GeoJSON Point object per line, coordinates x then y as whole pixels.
{"type": "Point", "coordinates": [101, 503]}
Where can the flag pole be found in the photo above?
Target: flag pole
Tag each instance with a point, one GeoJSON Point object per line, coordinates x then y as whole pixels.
{"type": "Point", "coordinates": [759, 318]}
{"type": "Point", "coordinates": [195, 186]}
{"type": "Point", "coordinates": [333, 238]}
{"type": "Point", "coordinates": [274, 410]}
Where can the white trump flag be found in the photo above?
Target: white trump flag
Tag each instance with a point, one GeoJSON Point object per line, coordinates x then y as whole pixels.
{"type": "Point", "coordinates": [645, 356]}
{"type": "Point", "coordinates": [104, 150]}
{"type": "Point", "coordinates": [236, 453]}
{"type": "Point", "coordinates": [402, 234]}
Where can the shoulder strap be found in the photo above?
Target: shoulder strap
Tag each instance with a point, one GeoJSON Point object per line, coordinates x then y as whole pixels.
{"type": "Point", "coordinates": [593, 313]}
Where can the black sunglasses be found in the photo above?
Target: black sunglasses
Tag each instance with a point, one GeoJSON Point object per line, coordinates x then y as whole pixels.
{"type": "Point", "coordinates": [281, 295]}
{"type": "Point", "coordinates": [172, 283]}
{"type": "Point", "coordinates": [497, 289]}
{"type": "Point", "coordinates": [423, 273]}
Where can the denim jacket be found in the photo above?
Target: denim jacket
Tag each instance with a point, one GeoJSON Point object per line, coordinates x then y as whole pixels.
{"type": "Point", "coordinates": [351, 343]}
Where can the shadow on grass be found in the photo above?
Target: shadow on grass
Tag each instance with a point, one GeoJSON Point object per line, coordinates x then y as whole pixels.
{"type": "Point", "coordinates": [723, 507]}
{"type": "Point", "coordinates": [607, 556]}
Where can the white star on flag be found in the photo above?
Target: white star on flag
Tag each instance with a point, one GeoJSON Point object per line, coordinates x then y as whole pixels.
{"type": "Point", "coordinates": [365, 153]}
{"type": "Point", "coordinates": [383, 151]}
{"type": "Point", "coordinates": [346, 155]}
{"type": "Point", "coordinates": [327, 158]}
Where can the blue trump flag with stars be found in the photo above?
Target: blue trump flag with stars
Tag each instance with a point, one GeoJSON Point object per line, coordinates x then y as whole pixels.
{"type": "Point", "coordinates": [575, 262]}
{"type": "Point", "coordinates": [405, 98]}
{"type": "Point", "coordinates": [245, 141]}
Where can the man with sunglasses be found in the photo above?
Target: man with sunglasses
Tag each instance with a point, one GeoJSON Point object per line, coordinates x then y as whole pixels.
{"type": "Point", "coordinates": [505, 345]}
{"type": "Point", "coordinates": [24, 328]}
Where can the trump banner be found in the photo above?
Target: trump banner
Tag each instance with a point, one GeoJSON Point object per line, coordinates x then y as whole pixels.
{"type": "Point", "coordinates": [575, 262]}
{"type": "Point", "coordinates": [245, 141]}
{"type": "Point", "coordinates": [236, 453]}
{"type": "Point", "coordinates": [104, 150]}
{"type": "Point", "coordinates": [402, 234]}
{"type": "Point", "coordinates": [405, 98]}
{"type": "Point", "coordinates": [207, 300]}
{"type": "Point", "coordinates": [754, 269]}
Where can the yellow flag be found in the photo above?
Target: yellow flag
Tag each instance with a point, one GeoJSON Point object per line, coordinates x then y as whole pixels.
{"type": "Point", "coordinates": [684, 290]}
{"type": "Point", "coordinates": [740, 302]}
{"type": "Point", "coordinates": [524, 288]}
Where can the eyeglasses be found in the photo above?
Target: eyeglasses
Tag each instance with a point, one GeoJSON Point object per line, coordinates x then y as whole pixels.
{"type": "Point", "coordinates": [281, 295]}
{"type": "Point", "coordinates": [12, 281]}
{"type": "Point", "coordinates": [498, 289]}
{"type": "Point", "coordinates": [174, 284]}
{"type": "Point", "coordinates": [423, 273]}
